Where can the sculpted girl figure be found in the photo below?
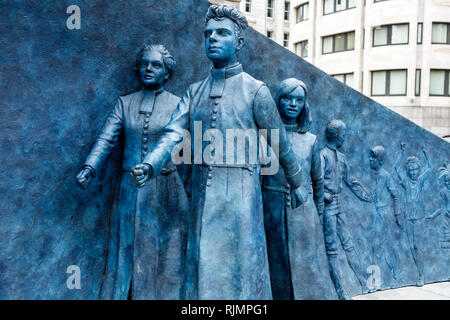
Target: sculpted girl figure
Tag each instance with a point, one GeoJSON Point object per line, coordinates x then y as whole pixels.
{"type": "Point", "coordinates": [297, 258]}
{"type": "Point", "coordinates": [148, 225]}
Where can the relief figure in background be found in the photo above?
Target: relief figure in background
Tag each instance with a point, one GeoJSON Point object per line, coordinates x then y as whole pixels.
{"type": "Point", "coordinates": [335, 225]}
{"type": "Point", "coordinates": [444, 211]}
{"type": "Point", "coordinates": [384, 195]}
{"type": "Point", "coordinates": [413, 182]}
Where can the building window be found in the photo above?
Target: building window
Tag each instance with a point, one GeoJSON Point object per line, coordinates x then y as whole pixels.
{"type": "Point", "coordinates": [389, 83]}
{"type": "Point", "coordinates": [286, 40]}
{"type": "Point", "coordinates": [338, 42]}
{"type": "Point", "coordinates": [332, 6]}
{"type": "Point", "coordinates": [269, 34]}
{"type": "Point", "coordinates": [440, 33]}
{"type": "Point", "coordinates": [391, 34]}
{"type": "Point", "coordinates": [301, 48]}
{"type": "Point", "coordinates": [419, 32]}
{"type": "Point", "coordinates": [248, 5]}
{"type": "Point", "coordinates": [270, 8]}
{"type": "Point", "coordinates": [417, 83]}
{"type": "Point", "coordinates": [287, 9]}
{"type": "Point", "coordinates": [439, 83]}
{"type": "Point", "coordinates": [302, 12]}
{"type": "Point", "coordinates": [347, 78]}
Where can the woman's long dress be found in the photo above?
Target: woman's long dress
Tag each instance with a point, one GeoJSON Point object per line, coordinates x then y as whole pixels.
{"type": "Point", "coordinates": [297, 258]}
{"type": "Point", "coordinates": [148, 226]}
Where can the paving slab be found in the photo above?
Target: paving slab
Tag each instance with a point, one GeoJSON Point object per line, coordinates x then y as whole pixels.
{"type": "Point", "coordinates": [433, 291]}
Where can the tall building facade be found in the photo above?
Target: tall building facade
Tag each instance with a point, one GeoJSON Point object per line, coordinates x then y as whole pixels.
{"type": "Point", "coordinates": [395, 51]}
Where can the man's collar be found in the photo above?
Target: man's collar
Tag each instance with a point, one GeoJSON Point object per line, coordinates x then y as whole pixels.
{"type": "Point", "coordinates": [229, 71]}
{"type": "Point", "coordinates": [219, 76]}
{"type": "Point", "coordinates": [148, 99]}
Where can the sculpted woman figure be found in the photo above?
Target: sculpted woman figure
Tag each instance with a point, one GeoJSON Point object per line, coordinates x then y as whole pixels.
{"type": "Point", "coordinates": [297, 258]}
{"type": "Point", "coordinates": [148, 225]}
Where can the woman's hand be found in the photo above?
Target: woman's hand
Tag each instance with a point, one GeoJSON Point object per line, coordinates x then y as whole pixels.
{"type": "Point", "coordinates": [141, 173]}
{"type": "Point", "coordinates": [84, 177]}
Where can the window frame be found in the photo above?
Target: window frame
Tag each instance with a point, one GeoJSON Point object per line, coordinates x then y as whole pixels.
{"type": "Point", "coordinates": [345, 77]}
{"type": "Point", "coordinates": [388, 83]}
{"type": "Point", "coordinates": [448, 32]}
{"type": "Point", "coordinates": [269, 9]}
{"type": "Point", "coordinates": [284, 39]}
{"type": "Point", "coordinates": [446, 83]}
{"type": "Point", "coordinates": [418, 83]}
{"type": "Point", "coordinates": [297, 20]}
{"type": "Point", "coordinates": [287, 10]}
{"type": "Point", "coordinates": [334, 7]}
{"type": "Point", "coordinates": [420, 27]}
{"type": "Point", "coordinates": [334, 42]}
{"type": "Point", "coordinates": [389, 35]}
{"type": "Point", "coordinates": [301, 48]}
{"type": "Point", "coordinates": [248, 4]}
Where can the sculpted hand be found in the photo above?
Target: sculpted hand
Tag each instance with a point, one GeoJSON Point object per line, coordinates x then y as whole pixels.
{"type": "Point", "coordinates": [84, 177]}
{"type": "Point", "coordinates": [297, 197]}
{"type": "Point", "coordinates": [140, 174]}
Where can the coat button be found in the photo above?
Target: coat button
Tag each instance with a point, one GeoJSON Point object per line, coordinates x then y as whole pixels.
{"type": "Point", "coordinates": [213, 125]}
{"type": "Point", "coordinates": [215, 110]}
{"type": "Point", "coordinates": [145, 148]}
{"type": "Point", "coordinates": [147, 120]}
{"type": "Point", "coordinates": [147, 115]}
{"type": "Point", "coordinates": [145, 133]}
{"type": "Point", "coordinates": [146, 126]}
{"type": "Point", "coordinates": [210, 168]}
{"type": "Point", "coordinates": [144, 140]}
{"type": "Point", "coordinates": [208, 183]}
{"type": "Point", "coordinates": [216, 101]}
{"type": "Point", "coordinates": [214, 118]}
{"type": "Point", "coordinates": [210, 176]}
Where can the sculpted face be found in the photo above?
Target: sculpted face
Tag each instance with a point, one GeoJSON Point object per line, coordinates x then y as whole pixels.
{"type": "Point", "coordinates": [341, 137]}
{"type": "Point", "coordinates": [221, 42]}
{"type": "Point", "coordinates": [374, 161]}
{"type": "Point", "coordinates": [152, 70]}
{"type": "Point", "coordinates": [413, 171]}
{"type": "Point", "coordinates": [292, 104]}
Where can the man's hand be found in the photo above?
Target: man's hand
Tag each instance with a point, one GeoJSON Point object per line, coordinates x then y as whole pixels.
{"type": "Point", "coordinates": [298, 197]}
{"type": "Point", "coordinates": [140, 174]}
{"type": "Point", "coordinates": [84, 177]}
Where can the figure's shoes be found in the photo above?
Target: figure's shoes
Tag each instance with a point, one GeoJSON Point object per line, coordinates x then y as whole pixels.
{"type": "Point", "coordinates": [343, 295]}
{"type": "Point", "coordinates": [372, 290]}
{"type": "Point", "coordinates": [420, 282]}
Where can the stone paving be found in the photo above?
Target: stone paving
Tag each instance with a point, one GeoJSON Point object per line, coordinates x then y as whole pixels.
{"type": "Point", "coordinates": [433, 291]}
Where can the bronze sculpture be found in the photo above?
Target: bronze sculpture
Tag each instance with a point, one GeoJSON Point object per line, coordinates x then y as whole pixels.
{"type": "Point", "coordinates": [148, 225]}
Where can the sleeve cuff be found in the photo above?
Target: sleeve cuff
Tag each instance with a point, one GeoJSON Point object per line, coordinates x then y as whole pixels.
{"type": "Point", "coordinates": [87, 166]}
